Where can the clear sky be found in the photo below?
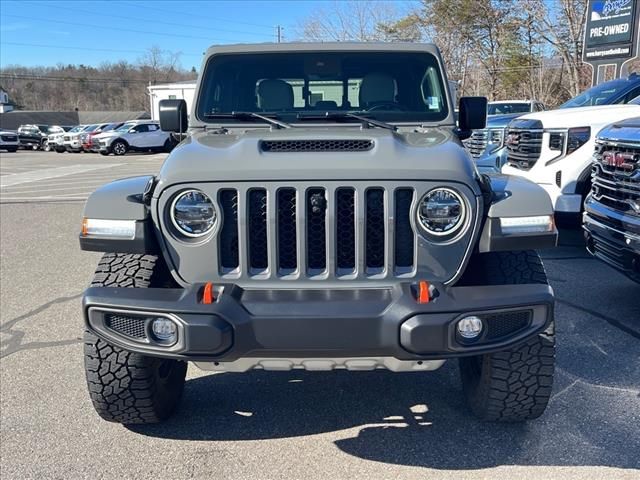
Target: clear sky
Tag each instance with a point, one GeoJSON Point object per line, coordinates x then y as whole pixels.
{"type": "Point", "coordinates": [48, 32]}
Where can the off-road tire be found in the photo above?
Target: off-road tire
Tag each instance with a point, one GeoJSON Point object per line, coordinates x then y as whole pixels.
{"type": "Point", "coordinates": [119, 148]}
{"type": "Point", "coordinates": [127, 387]}
{"type": "Point", "coordinates": [513, 385]}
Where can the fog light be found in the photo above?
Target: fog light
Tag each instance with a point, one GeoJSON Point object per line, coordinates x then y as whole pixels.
{"type": "Point", "coordinates": [469, 327]}
{"type": "Point", "coordinates": [164, 330]}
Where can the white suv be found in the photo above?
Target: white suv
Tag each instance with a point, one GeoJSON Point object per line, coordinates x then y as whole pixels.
{"type": "Point", "coordinates": [554, 149]}
{"type": "Point", "coordinates": [135, 136]}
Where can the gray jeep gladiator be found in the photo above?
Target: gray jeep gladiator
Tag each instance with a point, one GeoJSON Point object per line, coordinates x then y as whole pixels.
{"type": "Point", "coordinates": [320, 212]}
{"type": "Point", "coordinates": [611, 218]}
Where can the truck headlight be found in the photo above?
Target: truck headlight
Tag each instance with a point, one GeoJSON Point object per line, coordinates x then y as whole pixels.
{"type": "Point", "coordinates": [193, 214]}
{"type": "Point", "coordinates": [441, 212]}
{"type": "Point", "coordinates": [577, 137]}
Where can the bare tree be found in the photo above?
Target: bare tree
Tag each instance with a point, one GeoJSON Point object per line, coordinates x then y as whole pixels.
{"type": "Point", "coordinates": [348, 21]}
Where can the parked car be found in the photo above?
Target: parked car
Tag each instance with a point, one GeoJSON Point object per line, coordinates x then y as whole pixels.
{"type": "Point", "coordinates": [31, 136]}
{"type": "Point", "coordinates": [140, 135]}
{"type": "Point", "coordinates": [71, 140]}
{"type": "Point", "coordinates": [93, 141]}
{"type": "Point", "coordinates": [363, 238]}
{"type": "Point", "coordinates": [612, 208]}
{"type": "Point", "coordinates": [506, 107]}
{"type": "Point", "coordinates": [88, 133]}
{"type": "Point", "coordinates": [492, 155]}
{"type": "Point", "coordinates": [554, 149]}
{"type": "Point", "coordinates": [9, 141]}
{"type": "Point", "coordinates": [54, 137]}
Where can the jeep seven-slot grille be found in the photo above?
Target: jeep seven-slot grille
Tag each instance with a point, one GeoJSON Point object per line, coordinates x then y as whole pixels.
{"type": "Point", "coordinates": [523, 147]}
{"type": "Point", "coordinates": [316, 145]}
{"type": "Point", "coordinates": [616, 176]}
{"type": "Point", "coordinates": [476, 144]}
{"type": "Point", "coordinates": [313, 231]}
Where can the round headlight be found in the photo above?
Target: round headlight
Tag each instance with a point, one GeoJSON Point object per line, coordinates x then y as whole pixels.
{"type": "Point", "coordinates": [441, 212]}
{"type": "Point", "coordinates": [193, 213]}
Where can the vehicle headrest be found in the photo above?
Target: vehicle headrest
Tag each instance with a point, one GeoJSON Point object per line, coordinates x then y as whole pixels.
{"type": "Point", "coordinates": [275, 94]}
{"type": "Point", "coordinates": [377, 88]}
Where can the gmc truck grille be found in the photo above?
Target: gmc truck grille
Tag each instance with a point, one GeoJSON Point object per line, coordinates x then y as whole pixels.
{"type": "Point", "coordinates": [476, 144]}
{"type": "Point", "coordinates": [616, 176]}
{"type": "Point", "coordinates": [314, 231]}
{"type": "Point", "coordinates": [523, 147]}
{"type": "Point", "coordinates": [9, 138]}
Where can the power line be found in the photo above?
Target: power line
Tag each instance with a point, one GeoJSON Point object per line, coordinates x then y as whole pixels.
{"type": "Point", "coordinates": [90, 25]}
{"type": "Point", "coordinates": [154, 21]}
{"type": "Point", "coordinates": [198, 15]}
{"type": "Point", "coordinates": [86, 49]}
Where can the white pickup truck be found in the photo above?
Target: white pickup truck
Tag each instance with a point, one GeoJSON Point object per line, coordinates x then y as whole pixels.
{"type": "Point", "coordinates": [554, 149]}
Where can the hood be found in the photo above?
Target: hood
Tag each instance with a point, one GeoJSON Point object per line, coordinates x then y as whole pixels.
{"type": "Point", "coordinates": [110, 133]}
{"type": "Point", "coordinates": [624, 131]}
{"type": "Point", "coordinates": [595, 117]}
{"type": "Point", "coordinates": [497, 121]}
{"type": "Point", "coordinates": [432, 154]}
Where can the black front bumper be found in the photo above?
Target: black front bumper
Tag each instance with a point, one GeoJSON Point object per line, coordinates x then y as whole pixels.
{"type": "Point", "coordinates": [381, 322]}
{"type": "Point", "coordinates": [613, 237]}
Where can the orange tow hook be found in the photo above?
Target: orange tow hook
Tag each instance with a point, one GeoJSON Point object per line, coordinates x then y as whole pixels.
{"type": "Point", "coordinates": [423, 292]}
{"type": "Point", "coordinates": [208, 296]}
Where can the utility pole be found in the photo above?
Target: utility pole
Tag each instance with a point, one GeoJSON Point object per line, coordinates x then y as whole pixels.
{"type": "Point", "coordinates": [279, 33]}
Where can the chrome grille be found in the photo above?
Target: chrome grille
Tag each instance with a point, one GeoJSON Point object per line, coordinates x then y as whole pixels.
{"type": "Point", "coordinates": [476, 144]}
{"type": "Point", "coordinates": [313, 232]}
{"type": "Point", "coordinates": [616, 176]}
{"type": "Point", "coordinates": [523, 147]}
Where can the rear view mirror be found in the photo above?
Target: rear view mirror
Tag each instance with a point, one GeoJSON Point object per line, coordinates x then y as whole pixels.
{"type": "Point", "coordinates": [472, 113]}
{"type": "Point", "coordinates": [173, 116]}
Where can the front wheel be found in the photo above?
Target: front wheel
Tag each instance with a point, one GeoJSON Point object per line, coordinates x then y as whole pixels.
{"type": "Point", "coordinates": [512, 385]}
{"type": "Point", "coordinates": [128, 387]}
{"type": "Point", "coordinates": [45, 146]}
{"type": "Point", "coordinates": [119, 147]}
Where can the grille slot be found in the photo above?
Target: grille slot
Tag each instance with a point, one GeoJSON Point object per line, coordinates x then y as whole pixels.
{"type": "Point", "coordinates": [316, 229]}
{"type": "Point", "coordinates": [316, 145]}
{"type": "Point", "coordinates": [523, 147]}
{"type": "Point", "coordinates": [229, 258]}
{"type": "Point", "coordinates": [404, 247]}
{"type": "Point", "coordinates": [287, 238]}
{"type": "Point", "coordinates": [126, 325]}
{"type": "Point", "coordinates": [345, 229]}
{"type": "Point", "coordinates": [506, 323]}
{"type": "Point", "coordinates": [375, 231]}
{"type": "Point", "coordinates": [257, 223]}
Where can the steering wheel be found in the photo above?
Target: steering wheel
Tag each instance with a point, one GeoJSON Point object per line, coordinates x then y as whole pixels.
{"type": "Point", "coordinates": [386, 106]}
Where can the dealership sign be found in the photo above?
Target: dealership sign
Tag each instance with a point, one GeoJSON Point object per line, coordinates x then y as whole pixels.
{"type": "Point", "coordinates": [611, 33]}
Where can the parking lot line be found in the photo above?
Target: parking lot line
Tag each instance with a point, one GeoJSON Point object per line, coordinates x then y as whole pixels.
{"type": "Point", "coordinates": [36, 175]}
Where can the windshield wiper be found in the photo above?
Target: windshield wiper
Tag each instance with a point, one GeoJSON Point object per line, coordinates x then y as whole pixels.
{"type": "Point", "coordinates": [247, 116]}
{"type": "Point", "coordinates": [338, 115]}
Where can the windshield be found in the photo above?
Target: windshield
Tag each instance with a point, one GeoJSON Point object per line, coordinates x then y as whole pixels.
{"type": "Point", "coordinates": [126, 127]}
{"type": "Point", "coordinates": [505, 108]}
{"type": "Point", "coordinates": [602, 94]}
{"type": "Point", "coordinates": [394, 86]}
{"type": "Point", "coordinates": [76, 129]}
{"type": "Point", "coordinates": [91, 128]}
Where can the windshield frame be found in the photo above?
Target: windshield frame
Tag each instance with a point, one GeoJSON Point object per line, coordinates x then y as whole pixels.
{"type": "Point", "coordinates": [199, 114]}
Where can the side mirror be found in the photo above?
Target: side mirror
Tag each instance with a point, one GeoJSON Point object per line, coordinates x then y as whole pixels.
{"type": "Point", "coordinates": [472, 113]}
{"type": "Point", "coordinates": [173, 116]}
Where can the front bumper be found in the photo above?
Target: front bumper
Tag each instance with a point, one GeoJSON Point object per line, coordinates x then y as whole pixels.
{"type": "Point", "coordinates": [357, 323]}
{"type": "Point", "coordinates": [613, 237]}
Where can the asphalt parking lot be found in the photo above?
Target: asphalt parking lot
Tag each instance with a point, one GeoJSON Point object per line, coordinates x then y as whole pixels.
{"type": "Point", "coordinates": [262, 425]}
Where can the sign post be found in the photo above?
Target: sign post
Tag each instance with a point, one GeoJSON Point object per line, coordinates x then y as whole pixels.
{"type": "Point", "coordinates": [611, 37]}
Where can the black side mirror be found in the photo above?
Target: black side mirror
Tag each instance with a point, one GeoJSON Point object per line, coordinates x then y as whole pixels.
{"type": "Point", "coordinates": [173, 116]}
{"type": "Point", "coordinates": [472, 114]}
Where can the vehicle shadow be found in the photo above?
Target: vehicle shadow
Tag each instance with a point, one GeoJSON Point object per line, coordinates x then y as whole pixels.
{"type": "Point", "coordinates": [410, 419]}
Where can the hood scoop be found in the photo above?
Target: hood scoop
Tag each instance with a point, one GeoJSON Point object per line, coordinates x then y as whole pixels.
{"type": "Point", "coordinates": [339, 145]}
